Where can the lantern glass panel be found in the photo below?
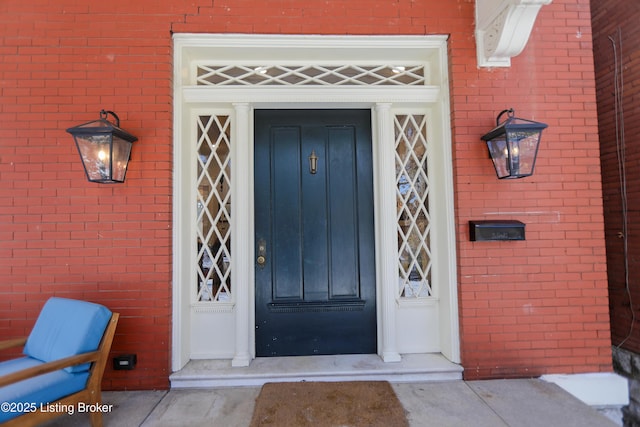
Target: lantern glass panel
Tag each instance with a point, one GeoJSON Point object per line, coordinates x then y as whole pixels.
{"type": "Point", "coordinates": [95, 151]}
{"type": "Point", "coordinates": [499, 155]}
{"type": "Point", "coordinates": [120, 158]}
{"type": "Point", "coordinates": [523, 149]}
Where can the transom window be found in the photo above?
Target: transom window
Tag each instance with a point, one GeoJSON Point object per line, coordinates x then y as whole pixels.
{"type": "Point", "coordinates": [310, 75]}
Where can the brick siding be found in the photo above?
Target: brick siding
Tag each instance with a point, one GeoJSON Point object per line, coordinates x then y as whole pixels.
{"type": "Point", "coordinates": [618, 19]}
{"type": "Point", "coordinates": [526, 308]}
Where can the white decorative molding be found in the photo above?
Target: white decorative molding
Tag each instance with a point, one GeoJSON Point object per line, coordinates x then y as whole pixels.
{"type": "Point", "coordinates": [242, 238]}
{"type": "Point", "coordinates": [219, 307]}
{"type": "Point", "coordinates": [503, 28]}
{"type": "Point", "coordinates": [385, 222]}
{"type": "Point", "coordinates": [229, 331]}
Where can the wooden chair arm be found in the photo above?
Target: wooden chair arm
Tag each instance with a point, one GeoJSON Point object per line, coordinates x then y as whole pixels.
{"type": "Point", "coordinates": [45, 368]}
{"type": "Point", "coordinates": [15, 342]}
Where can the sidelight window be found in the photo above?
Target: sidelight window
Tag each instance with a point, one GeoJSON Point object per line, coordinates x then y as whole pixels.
{"type": "Point", "coordinates": [412, 202]}
{"type": "Point", "coordinates": [213, 234]}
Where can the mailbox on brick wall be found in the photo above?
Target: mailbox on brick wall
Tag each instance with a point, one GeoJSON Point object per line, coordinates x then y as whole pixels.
{"type": "Point", "coordinates": [496, 230]}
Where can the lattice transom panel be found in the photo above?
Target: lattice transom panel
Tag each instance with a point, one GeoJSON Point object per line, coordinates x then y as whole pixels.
{"type": "Point", "coordinates": [412, 201]}
{"type": "Point", "coordinates": [213, 234]}
{"type": "Point", "coordinates": [310, 75]}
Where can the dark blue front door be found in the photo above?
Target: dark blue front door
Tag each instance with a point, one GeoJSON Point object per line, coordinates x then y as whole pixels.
{"type": "Point", "coordinates": [315, 271]}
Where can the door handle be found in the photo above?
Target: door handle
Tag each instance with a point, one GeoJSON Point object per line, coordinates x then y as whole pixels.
{"type": "Point", "coordinates": [262, 253]}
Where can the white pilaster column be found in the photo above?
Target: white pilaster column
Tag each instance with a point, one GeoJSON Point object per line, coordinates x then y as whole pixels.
{"type": "Point", "coordinates": [386, 237]}
{"type": "Point", "coordinates": [241, 174]}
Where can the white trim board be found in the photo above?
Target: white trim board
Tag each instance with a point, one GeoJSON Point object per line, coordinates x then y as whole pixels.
{"type": "Point", "coordinates": [430, 325]}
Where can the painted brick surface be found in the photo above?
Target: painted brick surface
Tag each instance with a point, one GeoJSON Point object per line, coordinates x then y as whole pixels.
{"type": "Point", "coordinates": [617, 59]}
{"type": "Point", "coordinates": [526, 308]}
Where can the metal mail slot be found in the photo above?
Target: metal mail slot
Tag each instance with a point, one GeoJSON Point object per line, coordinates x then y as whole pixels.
{"type": "Point", "coordinates": [496, 230]}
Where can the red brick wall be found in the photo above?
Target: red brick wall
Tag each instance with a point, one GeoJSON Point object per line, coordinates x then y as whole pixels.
{"type": "Point", "coordinates": [61, 63]}
{"type": "Point", "coordinates": [537, 306]}
{"type": "Point", "coordinates": [526, 308]}
{"type": "Point", "coordinates": [618, 19]}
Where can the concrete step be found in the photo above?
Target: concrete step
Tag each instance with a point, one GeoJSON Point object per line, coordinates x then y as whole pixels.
{"type": "Point", "coordinates": [359, 367]}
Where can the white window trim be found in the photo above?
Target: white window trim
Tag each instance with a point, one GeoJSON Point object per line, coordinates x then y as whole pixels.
{"type": "Point", "coordinates": [383, 102]}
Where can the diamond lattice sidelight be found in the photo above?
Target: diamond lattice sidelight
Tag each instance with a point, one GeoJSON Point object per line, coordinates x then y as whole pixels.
{"type": "Point", "coordinates": [213, 234]}
{"type": "Point", "coordinates": [412, 201]}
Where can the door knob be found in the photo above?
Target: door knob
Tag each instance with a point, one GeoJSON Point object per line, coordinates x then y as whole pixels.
{"type": "Point", "coordinates": [262, 253]}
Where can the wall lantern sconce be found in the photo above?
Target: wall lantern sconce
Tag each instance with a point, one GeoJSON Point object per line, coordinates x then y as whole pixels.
{"type": "Point", "coordinates": [104, 148]}
{"type": "Point", "coordinates": [513, 145]}
{"type": "Point", "coordinates": [313, 162]}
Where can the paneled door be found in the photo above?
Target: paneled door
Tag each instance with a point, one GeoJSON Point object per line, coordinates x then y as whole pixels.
{"type": "Point", "coordinates": [314, 233]}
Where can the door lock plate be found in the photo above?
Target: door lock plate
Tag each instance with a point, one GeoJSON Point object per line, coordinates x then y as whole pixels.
{"type": "Point", "coordinates": [262, 253]}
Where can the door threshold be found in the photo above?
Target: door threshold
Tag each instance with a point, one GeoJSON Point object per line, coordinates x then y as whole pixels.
{"type": "Point", "coordinates": [425, 367]}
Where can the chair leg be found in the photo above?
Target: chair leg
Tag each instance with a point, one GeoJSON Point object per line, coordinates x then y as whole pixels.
{"type": "Point", "coordinates": [95, 398]}
{"type": "Point", "coordinates": [96, 418]}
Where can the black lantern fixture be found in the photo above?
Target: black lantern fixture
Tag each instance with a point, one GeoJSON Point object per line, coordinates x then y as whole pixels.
{"type": "Point", "coordinates": [513, 145]}
{"type": "Point", "coordinates": [104, 148]}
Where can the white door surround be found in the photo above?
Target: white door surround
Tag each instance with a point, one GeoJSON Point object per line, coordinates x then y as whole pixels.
{"type": "Point", "coordinates": [223, 76]}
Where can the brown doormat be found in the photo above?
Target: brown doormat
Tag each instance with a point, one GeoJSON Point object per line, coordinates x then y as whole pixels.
{"type": "Point", "coordinates": [320, 404]}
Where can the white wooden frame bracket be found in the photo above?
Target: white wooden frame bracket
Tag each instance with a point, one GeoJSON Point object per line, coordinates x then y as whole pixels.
{"type": "Point", "coordinates": [503, 28]}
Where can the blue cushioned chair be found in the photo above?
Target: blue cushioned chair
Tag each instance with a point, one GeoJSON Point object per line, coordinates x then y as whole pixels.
{"type": "Point", "coordinates": [64, 360]}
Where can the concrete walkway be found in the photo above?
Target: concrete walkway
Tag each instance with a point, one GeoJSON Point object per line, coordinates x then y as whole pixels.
{"type": "Point", "coordinates": [492, 403]}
